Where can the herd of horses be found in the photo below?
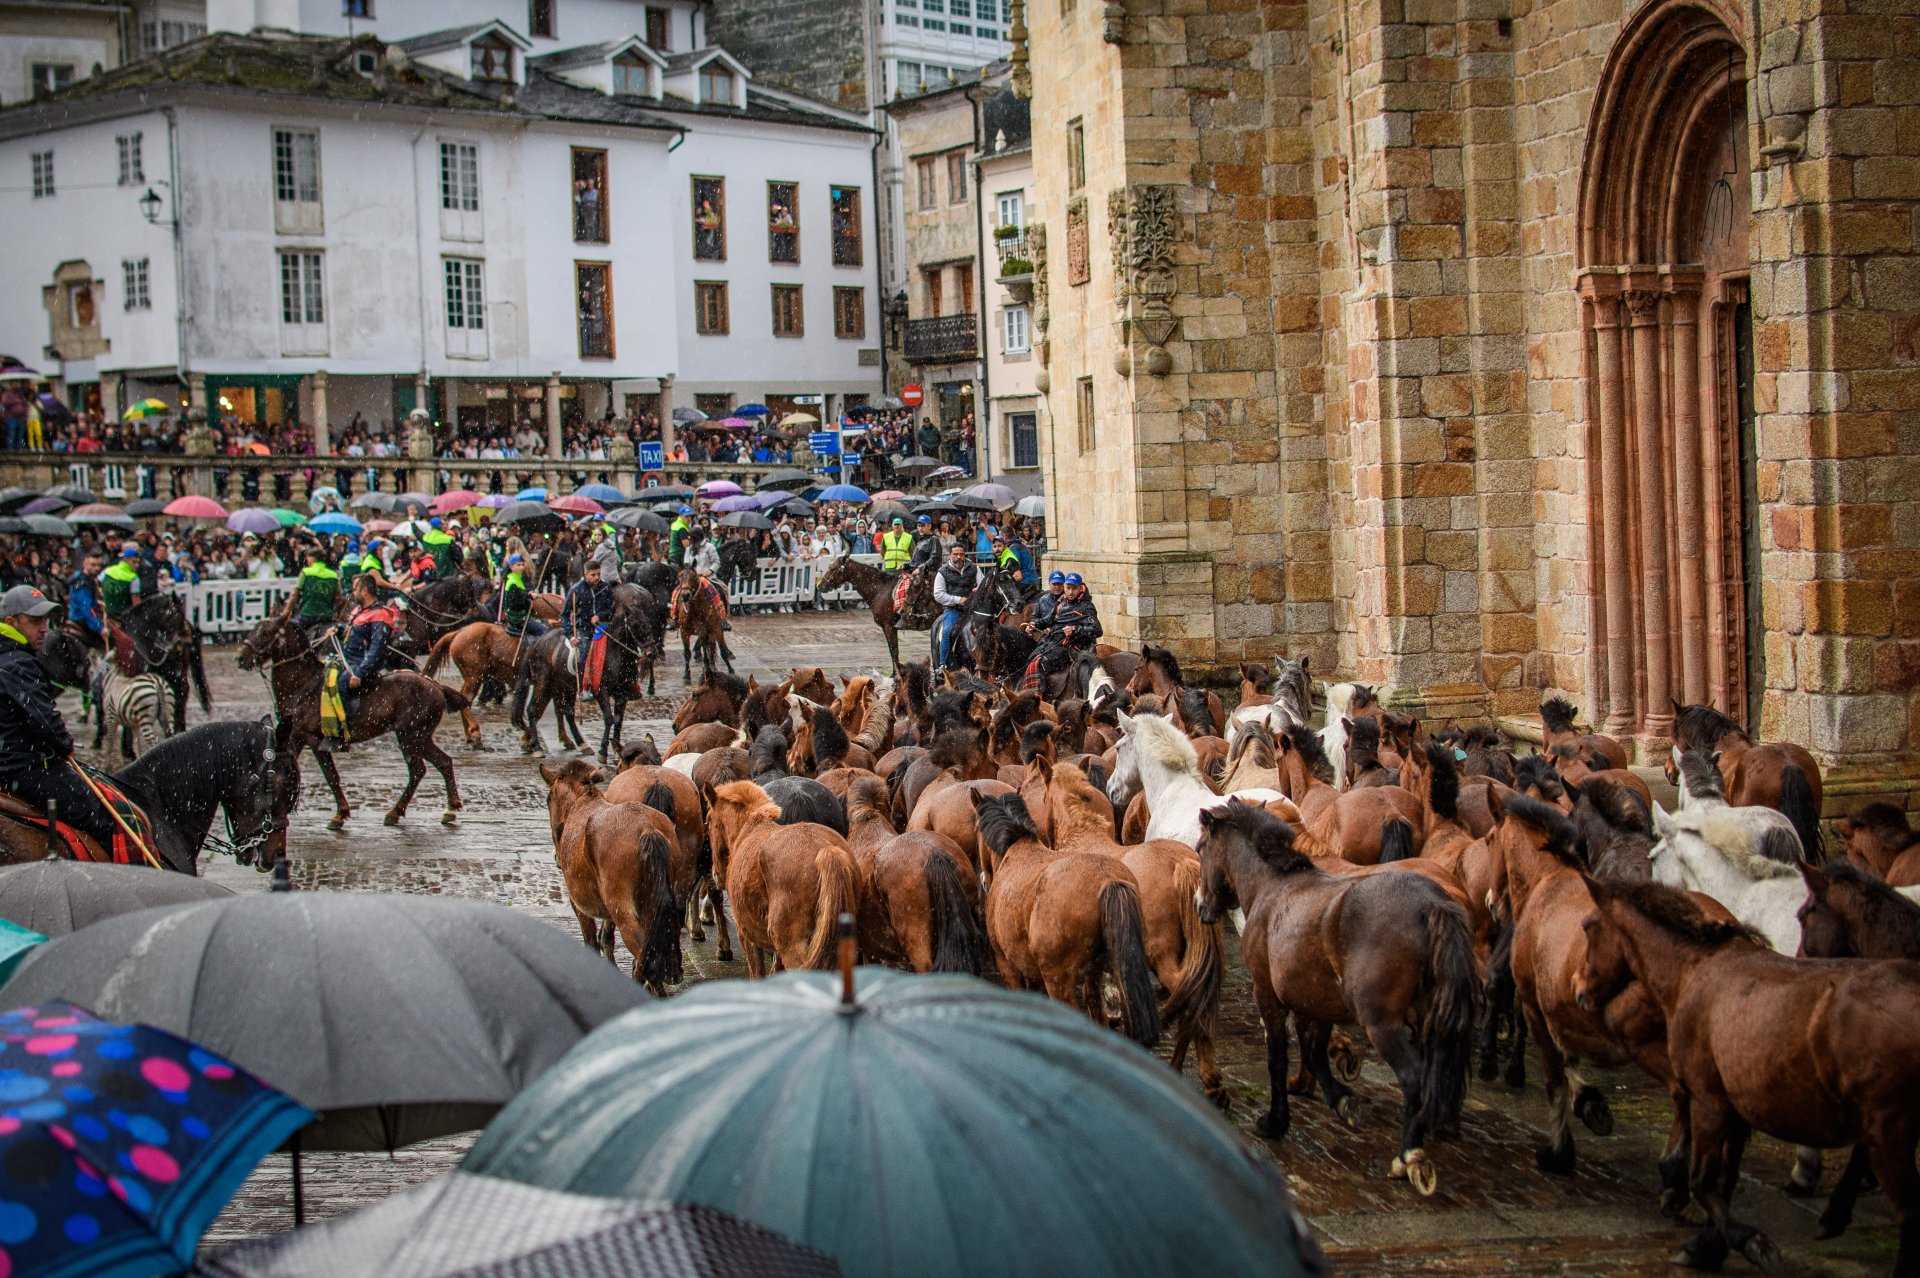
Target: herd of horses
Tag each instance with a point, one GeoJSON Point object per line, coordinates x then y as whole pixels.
{"type": "Point", "coordinates": [1417, 890]}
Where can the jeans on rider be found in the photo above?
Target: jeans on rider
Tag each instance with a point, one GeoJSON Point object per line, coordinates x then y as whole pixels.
{"type": "Point", "coordinates": [535, 628]}
{"type": "Point", "coordinates": [949, 623]}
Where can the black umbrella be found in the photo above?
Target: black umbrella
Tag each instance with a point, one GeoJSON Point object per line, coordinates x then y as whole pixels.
{"type": "Point", "coordinates": [688, 416]}
{"type": "Point", "coordinates": [54, 897]}
{"type": "Point", "coordinates": [16, 497]}
{"type": "Point", "coordinates": [48, 526]}
{"type": "Point", "coordinates": [481, 1227]}
{"type": "Point", "coordinates": [746, 519]}
{"type": "Point", "coordinates": [73, 495]}
{"type": "Point", "coordinates": [918, 463]}
{"type": "Point", "coordinates": [665, 492]}
{"type": "Point", "coordinates": [785, 479]}
{"type": "Point", "coordinates": [12, 524]}
{"type": "Point", "coordinates": [936, 508]}
{"type": "Point", "coordinates": [634, 517]}
{"type": "Point", "coordinates": [146, 508]}
{"type": "Point", "coordinates": [795, 506]}
{"type": "Point", "coordinates": [398, 1018]}
{"type": "Point", "coordinates": [531, 516]}
{"type": "Point", "coordinates": [968, 501]}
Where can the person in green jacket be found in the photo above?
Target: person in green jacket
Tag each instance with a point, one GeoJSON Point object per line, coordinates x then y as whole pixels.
{"type": "Point", "coordinates": [319, 592]}
{"type": "Point", "coordinates": [446, 555]}
{"type": "Point", "coordinates": [120, 584]}
{"type": "Point", "coordinates": [677, 535]}
{"type": "Point", "coordinates": [516, 603]}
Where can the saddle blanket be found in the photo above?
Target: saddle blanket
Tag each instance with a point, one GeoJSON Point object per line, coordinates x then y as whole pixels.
{"type": "Point", "coordinates": [901, 589]}
{"type": "Point", "coordinates": [594, 666]}
{"type": "Point", "coordinates": [1031, 677]}
{"type": "Point", "coordinates": [676, 609]}
{"type": "Point", "coordinates": [125, 655]}
{"type": "Point", "coordinates": [333, 702]}
{"type": "Point", "coordinates": [123, 850]}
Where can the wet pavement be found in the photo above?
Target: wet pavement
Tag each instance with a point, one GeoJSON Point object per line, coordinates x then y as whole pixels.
{"type": "Point", "coordinates": [1493, 1211]}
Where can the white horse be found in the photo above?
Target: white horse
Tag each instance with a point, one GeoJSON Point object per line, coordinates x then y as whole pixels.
{"type": "Point", "coordinates": [1156, 757]}
{"type": "Point", "coordinates": [1746, 858]}
{"type": "Point", "coordinates": [1333, 737]}
{"type": "Point", "coordinates": [1292, 704]}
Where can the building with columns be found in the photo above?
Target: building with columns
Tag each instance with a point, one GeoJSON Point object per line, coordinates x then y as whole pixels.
{"type": "Point", "coordinates": [1482, 350]}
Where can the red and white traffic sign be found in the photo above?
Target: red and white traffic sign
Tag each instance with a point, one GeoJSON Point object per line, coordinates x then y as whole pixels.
{"type": "Point", "coordinates": [911, 395]}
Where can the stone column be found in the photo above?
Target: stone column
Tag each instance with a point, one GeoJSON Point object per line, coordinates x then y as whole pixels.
{"type": "Point", "coordinates": [620, 458]}
{"type": "Point", "coordinates": [1689, 479]}
{"type": "Point", "coordinates": [420, 394]}
{"type": "Point", "coordinates": [666, 414]}
{"type": "Point", "coordinates": [111, 386]}
{"type": "Point", "coordinates": [198, 446]}
{"type": "Point", "coordinates": [197, 395]}
{"type": "Point", "coordinates": [1612, 482]}
{"type": "Point", "coordinates": [554, 442]}
{"type": "Point", "coordinates": [322, 432]}
{"type": "Point", "coordinates": [1643, 305]}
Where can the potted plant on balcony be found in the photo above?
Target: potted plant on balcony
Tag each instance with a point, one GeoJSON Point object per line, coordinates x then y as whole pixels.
{"type": "Point", "coordinates": [1007, 231]}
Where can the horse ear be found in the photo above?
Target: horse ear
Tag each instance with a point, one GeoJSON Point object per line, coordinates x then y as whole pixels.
{"type": "Point", "coordinates": [1663, 824]}
{"type": "Point", "coordinates": [1494, 806]}
{"type": "Point", "coordinates": [1347, 724]}
{"type": "Point", "coordinates": [549, 773]}
{"type": "Point", "coordinates": [1126, 720]}
{"type": "Point", "coordinates": [1306, 663]}
{"type": "Point", "coordinates": [978, 799]}
{"type": "Point", "coordinates": [1815, 876]}
{"type": "Point", "coordinates": [1677, 707]}
{"type": "Point", "coordinates": [1597, 889]}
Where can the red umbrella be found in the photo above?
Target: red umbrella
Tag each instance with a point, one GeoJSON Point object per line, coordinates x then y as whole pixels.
{"type": "Point", "coordinates": [195, 508]}
{"type": "Point", "coordinates": [458, 499]}
{"type": "Point", "coordinates": [575, 504]}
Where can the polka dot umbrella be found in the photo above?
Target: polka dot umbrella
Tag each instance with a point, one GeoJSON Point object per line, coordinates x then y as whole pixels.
{"type": "Point", "coordinates": [119, 1144]}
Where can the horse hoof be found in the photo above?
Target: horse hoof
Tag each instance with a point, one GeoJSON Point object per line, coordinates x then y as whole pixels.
{"type": "Point", "coordinates": [1685, 1259]}
{"type": "Point", "coordinates": [393, 818]}
{"type": "Point", "coordinates": [1301, 1084]}
{"type": "Point", "coordinates": [338, 824]}
{"type": "Point", "coordinates": [1420, 1172]}
{"type": "Point", "coordinates": [1673, 1203]}
{"type": "Point", "coordinates": [447, 818]}
{"type": "Point", "coordinates": [1270, 1127]}
{"type": "Point", "coordinates": [1591, 1108]}
{"type": "Point", "coordinates": [1555, 1160]}
{"type": "Point", "coordinates": [1348, 1108]}
{"type": "Point", "coordinates": [1345, 1062]}
{"type": "Point", "coordinates": [1489, 1068]}
{"type": "Point", "coordinates": [1762, 1254]}
{"type": "Point", "coordinates": [1217, 1093]}
{"type": "Point", "coordinates": [1832, 1228]}
{"type": "Point", "coordinates": [1798, 1189]}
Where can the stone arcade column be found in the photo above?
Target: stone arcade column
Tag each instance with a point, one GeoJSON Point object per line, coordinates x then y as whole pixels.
{"type": "Point", "coordinates": [666, 415]}
{"type": "Point", "coordinates": [322, 433]}
{"type": "Point", "coordinates": [555, 445]}
{"type": "Point", "coordinates": [1643, 305]}
{"type": "Point", "coordinates": [1689, 475]}
{"type": "Point", "coordinates": [1611, 478]}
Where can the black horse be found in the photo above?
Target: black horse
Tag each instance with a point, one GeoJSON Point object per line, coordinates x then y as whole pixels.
{"type": "Point", "coordinates": [977, 645]}
{"type": "Point", "coordinates": [169, 645]}
{"type": "Point", "coordinates": [657, 580]}
{"type": "Point", "coordinates": [182, 783]}
{"type": "Point", "coordinates": [633, 641]}
{"type": "Point", "coordinates": [737, 561]}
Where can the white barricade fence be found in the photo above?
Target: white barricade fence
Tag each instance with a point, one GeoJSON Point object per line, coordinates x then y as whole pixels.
{"type": "Point", "coordinates": [235, 607]}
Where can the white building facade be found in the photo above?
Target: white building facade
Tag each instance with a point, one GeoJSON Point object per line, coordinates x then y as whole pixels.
{"type": "Point", "coordinates": [1010, 423]}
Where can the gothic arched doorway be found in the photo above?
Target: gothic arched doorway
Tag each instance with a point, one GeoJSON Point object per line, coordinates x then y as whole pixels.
{"type": "Point", "coordinates": [1664, 220]}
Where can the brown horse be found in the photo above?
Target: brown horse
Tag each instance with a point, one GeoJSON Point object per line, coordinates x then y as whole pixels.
{"type": "Point", "coordinates": [700, 613]}
{"type": "Point", "coordinates": [1062, 921]}
{"type": "Point", "coordinates": [1387, 952]}
{"type": "Point", "coordinates": [1575, 769]}
{"type": "Point", "coordinates": [1432, 778]}
{"type": "Point", "coordinates": [1815, 1052]}
{"type": "Point", "coordinates": [1185, 953]}
{"type": "Point", "coordinates": [484, 654]}
{"type": "Point", "coordinates": [702, 737]}
{"type": "Point", "coordinates": [921, 905]}
{"type": "Point", "coordinates": [407, 704]}
{"type": "Point", "coordinates": [616, 861]}
{"type": "Point", "coordinates": [1878, 840]}
{"type": "Point", "coordinates": [678, 799]}
{"type": "Point", "coordinates": [1771, 774]}
{"type": "Point", "coordinates": [719, 698]}
{"type": "Point", "coordinates": [1851, 914]}
{"type": "Point", "coordinates": [544, 678]}
{"type": "Point", "coordinates": [1159, 674]}
{"type": "Point", "coordinates": [789, 883]}
{"type": "Point", "coordinates": [876, 589]}
{"type": "Point", "coordinates": [947, 808]}
{"type": "Point", "coordinates": [1557, 716]}
{"type": "Point", "coordinates": [1379, 823]}
{"type": "Point", "coordinates": [810, 682]}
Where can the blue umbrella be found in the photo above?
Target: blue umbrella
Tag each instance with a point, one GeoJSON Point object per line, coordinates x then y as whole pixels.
{"type": "Point", "coordinates": [843, 492]}
{"type": "Point", "coordinates": [751, 410]}
{"type": "Point", "coordinates": [531, 494]}
{"type": "Point", "coordinates": [16, 943]}
{"type": "Point", "coordinates": [605, 494]}
{"type": "Point", "coordinates": [119, 1144]}
{"type": "Point", "coordinates": [334, 523]}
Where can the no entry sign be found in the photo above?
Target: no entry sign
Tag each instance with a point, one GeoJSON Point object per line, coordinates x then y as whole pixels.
{"type": "Point", "coordinates": [911, 395]}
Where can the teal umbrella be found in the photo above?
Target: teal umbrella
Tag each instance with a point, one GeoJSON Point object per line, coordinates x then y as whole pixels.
{"type": "Point", "coordinates": [937, 1127]}
{"type": "Point", "coordinates": [16, 943]}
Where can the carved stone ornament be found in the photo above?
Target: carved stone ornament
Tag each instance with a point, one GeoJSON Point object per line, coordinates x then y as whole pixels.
{"type": "Point", "coordinates": [1117, 244]}
{"type": "Point", "coordinates": [1017, 37]}
{"type": "Point", "coordinates": [1144, 272]}
{"type": "Point", "coordinates": [1113, 22]}
{"type": "Point", "coordinates": [1042, 315]}
{"type": "Point", "coordinates": [1079, 263]}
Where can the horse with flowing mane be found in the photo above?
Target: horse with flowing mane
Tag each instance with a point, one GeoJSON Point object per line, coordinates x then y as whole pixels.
{"type": "Point", "coordinates": [877, 588]}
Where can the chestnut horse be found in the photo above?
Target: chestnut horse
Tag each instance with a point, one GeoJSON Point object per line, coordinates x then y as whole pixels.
{"type": "Point", "coordinates": [616, 860]}
{"type": "Point", "coordinates": [1062, 921]}
{"type": "Point", "coordinates": [875, 588]}
{"type": "Point", "coordinates": [701, 619]}
{"type": "Point", "coordinates": [720, 697]}
{"type": "Point", "coordinates": [1387, 952]}
{"type": "Point", "coordinates": [674, 795]}
{"type": "Point", "coordinates": [485, 654]}
{"type": "Point", "coordinates": [1557, 716]}
{"type": "Point", "coordinates": [789, 883]}
{"type": "Point", "coordinates": [1365, 826]}
{"type": "Point", "coordinates": [921, 905]}
{"type": "Point", "coordinates": [1185, 953]}
{"type": "Point", "coordinates": [1159, 674]}
{"type": "Point", "coordinates": [1777, 775]}
{"type": "Point", "coordinates": [1878, 840]}
{"type": "Point", "coordinates": [1815, 1052]}
{"type": "Point", "coordinates": [1851, 914]}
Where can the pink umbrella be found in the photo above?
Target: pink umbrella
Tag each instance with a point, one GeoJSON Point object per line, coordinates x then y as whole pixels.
{"type": "Point", "coordinates": [457, 499]}
{"type": "Point", "coordinates": [575, 504]}
{"type": "Point", "coordinates": [195, 508]}
{"type": "Point", "coordinates": [891, 494]}
{"type": "Point", "coordinates": [736, 423]}
{"type": "Point", "coordinates": [719, 488]}
{"type": "Point", "coordinates": [379, 526]}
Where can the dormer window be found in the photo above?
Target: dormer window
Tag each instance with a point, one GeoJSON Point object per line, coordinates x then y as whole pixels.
{"type": "Point", "coordinates": [632, 76]}
{"type": "Point", "coordinates": [492, 58]}
{"type": "Point", "coordinates": [716, 85]}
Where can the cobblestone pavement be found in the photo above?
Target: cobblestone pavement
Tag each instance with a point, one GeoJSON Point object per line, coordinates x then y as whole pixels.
{"type": "Point", "coordinates": [1493, 1211]}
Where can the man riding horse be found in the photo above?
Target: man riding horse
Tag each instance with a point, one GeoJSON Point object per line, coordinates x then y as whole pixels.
{"type": "Point", "coordinates": [1070, 629]}
{"type": "Point", "coordinates": [36, 751]}
{"type": "Point", "coordinates": [369, 631]}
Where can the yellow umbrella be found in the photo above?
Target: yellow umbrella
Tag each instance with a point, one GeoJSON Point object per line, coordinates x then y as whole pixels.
{"type": "Point", "coordinates": [146, 408]}
{"type": "Point", "coordinates": [800, 419]}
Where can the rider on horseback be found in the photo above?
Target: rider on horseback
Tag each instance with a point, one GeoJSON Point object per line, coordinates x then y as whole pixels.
{"type": "Point", "coordinates": [589, 606]}
{"type": "Point", "coordinates": [369, 631]}
{"type": "Point", "coordinates": [319, 592]}
{"type": "Point", "coordinates": [1071, 628]}
{"type": "Point", "coordinates": [36, 751]}
{"type": "Point", "coordinates": [957, 580]}
{"type": "Point", "coordinates": [516, 603]}
{"type": "Point", "coordinates": [85, 613]}
{"type": "Point", "coordinates": [120, 588]}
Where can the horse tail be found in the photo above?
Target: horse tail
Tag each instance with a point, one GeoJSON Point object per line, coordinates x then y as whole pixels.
{"type": "Point", "coordinates": [1396, 840]}
{"type": "Point", "coordinates": [1196, 988]}
{"type": "Point", "coordinates": [197, 669]}
{"type": "Point", "coordinates": [834, 866]}
{"type": "Point", "coordinates": [1444, 1029]}
{"type": "Point", "coordinates": [438, 656]}
{"type": "Point", "coordinates": [1125, 936]}
{"type": "Point", "coordinates": [658, 964]}
{"type": "Point", "coordinates": [1796, 804]}
{"type": "Point", "coordinates": [455, 700]}
{"type": "Point", "coordinates": [517, 704]}
{"type": "Point", "coordinates": [959, 938]}
{"type": "Point", "coordinates": [659, 797]}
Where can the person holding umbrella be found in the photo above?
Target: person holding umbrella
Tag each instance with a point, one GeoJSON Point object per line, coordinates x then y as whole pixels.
{"type": "Point", "coordinates": [36, 751]}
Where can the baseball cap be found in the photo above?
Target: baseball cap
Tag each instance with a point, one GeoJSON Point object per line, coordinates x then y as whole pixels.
{"type": "Point", "coordinates": [924, 519]}
{"type": "Point", "coordinates": [130, 552]}
{"type": "Point", "coordinates": [1056, 576]}
{"type": "Point", "coordinates": [686, 510]}
{"type": "Point", "coordinates": [1073, 579]}
{"type": "Point", "coordinates": [899, 520]}
{"type": "Point", "coordinates": [433, 523]}
{"type": "Point", "coordinates": [24, 601]}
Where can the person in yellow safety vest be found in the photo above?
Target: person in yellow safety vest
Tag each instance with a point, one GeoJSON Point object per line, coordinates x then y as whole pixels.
{"type": "Point", "coordinates": [120, 584]}
{"type": "Point", "coordinates": [436, 542]}
{"type": "Point", "coordinates": [896, 547]}
{"type": "Point", "coordinates": [319, 592]}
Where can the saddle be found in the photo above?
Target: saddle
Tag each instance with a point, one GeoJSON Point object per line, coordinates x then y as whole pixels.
{"type": "Point", "coordinates": [593, 662]}
{"type": "Point", "coordinates": [676, 609]}
{"type": "Point", "coordinates": [82, 847]}
{"type": "Point", "coordinates": [125, 652]}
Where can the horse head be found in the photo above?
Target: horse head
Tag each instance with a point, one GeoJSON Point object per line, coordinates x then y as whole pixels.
{"type": "Point", "coordinates": [1124, 783]}
{"type": "Point", "coordinates": [1234, 836]}
{"type": "Point", "coordinates": [835, 576]}
{"type": "Point", "coordinates": [66, 659]}
{"type": "Point", "coordinates": [276, 638]}
{"type": "Point", "coordinates": [261, 808]}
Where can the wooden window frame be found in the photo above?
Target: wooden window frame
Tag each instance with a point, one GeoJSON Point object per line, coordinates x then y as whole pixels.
{"type": "Point", "coordinates": [1083, 410]}
{"type": "Point", "coordinates": [693, 212]}
{"type": "Point", "coordinates": [797, 291]}
{"type": "Point", "coordinates": [856, 242]}
{"type": "Point", "coordinates": [700, 295]}
{"type": "Point", "coordinates": [843, 295]}
{"type": "Point", "coordinates": [606, 212]}
{"type": "Point", "coordinates": [579, 268]}
{"type": "Point", "coordinates": [793, 211]}
{"type": "Point", "coordinates": [958, 191]}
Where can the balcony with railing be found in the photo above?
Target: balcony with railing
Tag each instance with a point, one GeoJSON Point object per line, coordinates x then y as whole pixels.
{"type": "Point", "coordinates": [949, 337]}
{"type": "Point", "coordinates": [1016, 262]}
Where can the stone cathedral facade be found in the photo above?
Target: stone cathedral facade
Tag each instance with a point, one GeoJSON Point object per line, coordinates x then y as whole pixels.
{"type": "Point", "coordinates": [1486, 347]}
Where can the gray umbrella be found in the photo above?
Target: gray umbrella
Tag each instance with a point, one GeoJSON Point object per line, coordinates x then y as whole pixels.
{"type": "Point", "coordinates": [480, 1227]}
{"type": "Point", "coordinates": [789, 478]}
{"type": "Point", "coordinates": [48, 526]}
{"type": "Point", "coordinates": [918, 463]}
{"type": "Point", "coordinates": [399, 1018]}
{"type": "Point", "coordinates": [688, 416]}
{"type": "Point", "coordinates": [747, 519]}
{"type": "Point", "coordinates": [55, 897]}
{"type": "Point", "coordinates": [634, 517]}
{"type": "Point", "coordinates": [15, 497]}
{"type": "Point", "coordinates": [1034, 507]}
{"type": "Point", "coordinates": [375, 501]}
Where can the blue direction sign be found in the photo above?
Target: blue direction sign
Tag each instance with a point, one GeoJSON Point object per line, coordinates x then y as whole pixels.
{"type": "Point", "coordinates": [825, 443]}
{"type": "Point", "coordinates": [651, 455]}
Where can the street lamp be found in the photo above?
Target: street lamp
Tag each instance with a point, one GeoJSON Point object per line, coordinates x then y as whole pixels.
{"type": "Point", "coordinates": [150, 207]}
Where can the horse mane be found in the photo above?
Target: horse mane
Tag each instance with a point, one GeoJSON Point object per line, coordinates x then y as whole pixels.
{"type": "Point", "coordinates": [1363, 696]}
{"type": "Point", "coordinates": [1674, 911]}
{"type": "Point", "coordinates": [1004, 821]}
{"type": "Point", "coordinates": [873, 728]}
{"type": "Point", "coordinates": [1558, 714]}
{"type": "Point", "coordinates": [1561, 841]}
{"type": "Point", "coordinates": [1701, 727]}
{"type": "Point", "coordinates": [830, 740]}
{"type": "Point", "coordinates": [1888, 824]}
{"type": "Point", "coordinates": [917, 682]}
{"type": "Point", "coordinates": [1363, 738]}
{"type": "Point", "coordinates": [1196, 710]}
{"type": "Point", "coordinates": [1885, 907]}
{"type": "Point", "coordinates": [1776, 857]}
{"type": "Point", "coordinates": [1258, 675]}
{"type": "Point", "coordinates": [1701, 775]}
{"type": "Point", "coordinates": [768, 754]}
{"type": "Point", "coordinates": [1293, 685]}
{"type": "Point", "coordinates": [731, 684]}
{"type": "Point", "coordinates": [870, 793]}
{"type": "Point", "coordinates": [744, 794]}
{"type": "Point", "coordinates": [1034, 738]}
{"type": "Point", "coordinates": [1080, 789]}
{"type": "Point", "coordinates": [1163, 658]}
{"type": "Point", "coordinates": [1255, 739]}
{"type": "Point", "coordinates": [1312, 751]}
{"type": "Point", "coordinates": [1165, 743]}
{"type": "Point", "coordinates": [1617, 805]}
{"type": "Point", "coordinates": [1443, 781]}
{"type": "Point", "coordinates": [1270, 838]}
